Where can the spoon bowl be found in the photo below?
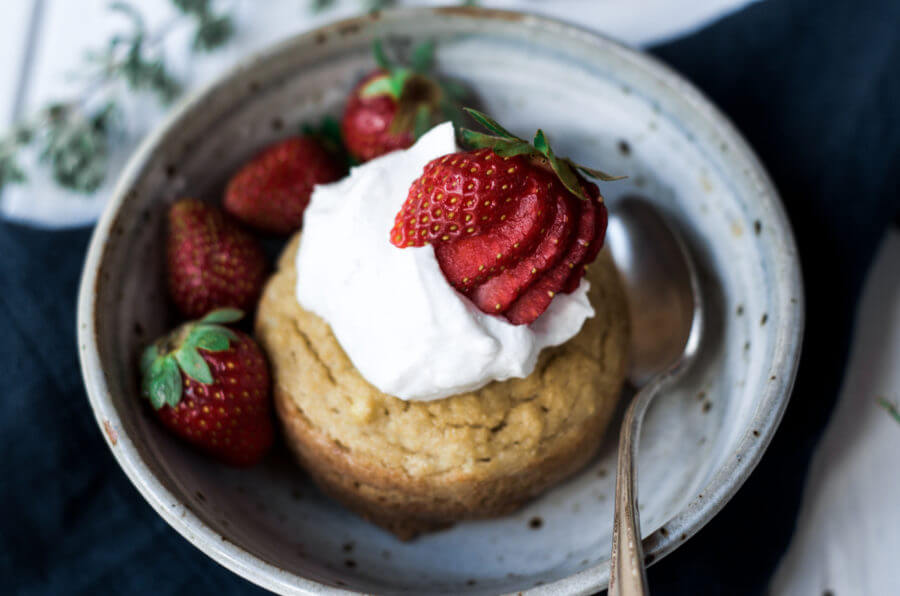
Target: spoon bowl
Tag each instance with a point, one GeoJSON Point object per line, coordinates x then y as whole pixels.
{"type": "Point", "coordinates": [660, 284]}
{"type": "Point", "coordinates": [665, 310]}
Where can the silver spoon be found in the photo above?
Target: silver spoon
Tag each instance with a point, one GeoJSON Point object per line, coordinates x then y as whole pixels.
{"type": "Point", "coordinates": [666, 313]}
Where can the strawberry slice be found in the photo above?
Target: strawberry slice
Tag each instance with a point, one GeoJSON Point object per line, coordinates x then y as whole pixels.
{"type": "Point", "coordinates": [471, 260]}
{"type": "Point", "coordinates": [536, 299]}
{"type": "Point", "coordinates": [600, 221]}
{"type": "Point", "coordinates": [532, 304]}
{"type": "Point", "coordinates": [500, 291]}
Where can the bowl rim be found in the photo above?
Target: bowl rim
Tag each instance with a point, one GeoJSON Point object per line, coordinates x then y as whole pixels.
{"type": "Point", "coordinates": [718, 491]}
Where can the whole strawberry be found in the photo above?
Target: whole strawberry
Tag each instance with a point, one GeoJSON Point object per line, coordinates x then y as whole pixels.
{"type": "Point", "coordinates": [272, 190]}
{"type": "Point", "coordinates": [394, 105]}
{"type": "Point", "coordinates": [211, 261]}
{"type": "Point", "coordinates": [511, 223]}
{"type": "Point", "coordinates": [210, 385]}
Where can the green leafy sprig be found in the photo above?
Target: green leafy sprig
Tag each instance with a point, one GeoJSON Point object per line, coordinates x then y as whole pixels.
{"type": "Point", "coordinates": [164, 361]}
{"type": "Point", "coordinates": [76, 145]}
{"type": "Point", "coordinates": [370, 5]}
{"type": "Point", "coordinates": [73, 137]}
{"type": "Point", "coordinates": [506, 144]}
{"type": "Point", "coordinates": [890, 407]}
{"type": "Point", "coordinates": [213, 30]}
{"type": "Point", "coordinates": [73, 143]}
{"type": "Point", "coordinates": [130, 57]}
{"type": "Point", "coordinates": [10, 170]}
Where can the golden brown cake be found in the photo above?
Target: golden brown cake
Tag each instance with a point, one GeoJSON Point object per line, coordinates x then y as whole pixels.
{"type": "Point", "coordinates": [417, 466]}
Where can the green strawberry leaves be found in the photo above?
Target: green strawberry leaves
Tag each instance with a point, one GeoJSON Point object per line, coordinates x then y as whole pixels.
{"type": "Point", "coordinates": [422, 121]}
{"type": "Point", "coordinates": [328, 133]}
{"type": "Point", "coordinates": [562, 167]}
{"type": "Point", "coordinates": [211, 338]}
{"type": "Point", "coordinates": [506, 144]}
{"type": "Point", "coordinates": [193, 364]}
{"type": "Point", "coordinates": [380, 56]}
{"type": "Point", "coordinates": [395, 77]}
{"type": "Point", "coordinates": [223, 315]}
{"type": "Point", "coordinates": [151, 353]}
{"type": "Point", "coordinates": [454, 90]}
{"type": "Point", "coordinates": [162, 385]}
{"type": "Point", "coordinates": [390, 84]}
{"type": "Point", "coordinates": [598, 174]}
{"type": "Point", "coordinates": [490, 124]}
{"type": "Point", "coordinates": [163, 362]}
{"type": "Point", "coordinates": [422, 57]}
{"type": "Point", "coordinates": [501, 146]}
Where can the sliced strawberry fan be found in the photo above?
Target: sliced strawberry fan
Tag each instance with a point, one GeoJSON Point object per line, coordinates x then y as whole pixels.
{"type": "Point", "coordinates": [512, 224]}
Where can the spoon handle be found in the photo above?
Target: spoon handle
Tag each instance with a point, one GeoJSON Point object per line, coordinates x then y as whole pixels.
{"type": "Point", "coordinates": [627, 575]}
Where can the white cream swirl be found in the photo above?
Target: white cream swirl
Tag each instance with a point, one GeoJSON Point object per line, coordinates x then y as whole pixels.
{"type": "Point", "coordinates": [406, 330]}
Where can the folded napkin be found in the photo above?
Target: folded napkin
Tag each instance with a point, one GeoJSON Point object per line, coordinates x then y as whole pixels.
{"type": "Point", "coordinates": [813, 86]}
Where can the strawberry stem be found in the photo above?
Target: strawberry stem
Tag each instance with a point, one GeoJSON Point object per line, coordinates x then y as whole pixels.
{"type": "Point", "coordinates": [505, 144]}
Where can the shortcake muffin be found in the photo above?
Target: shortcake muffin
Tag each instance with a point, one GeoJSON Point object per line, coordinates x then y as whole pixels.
{"type": "Point", "coordinates": [414, 466]}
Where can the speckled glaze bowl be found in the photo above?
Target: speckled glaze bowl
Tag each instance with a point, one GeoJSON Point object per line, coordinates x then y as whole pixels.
{"type": "Point", "coordinates": [603, 104]}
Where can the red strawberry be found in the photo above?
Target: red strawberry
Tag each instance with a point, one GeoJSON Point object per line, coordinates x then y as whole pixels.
{"type": "Point", "coordinates": [481, 211]}
{"type": "Point", "coordinates": [367, 122]}
{"type": "Point", "coordinates": [537, 298]}
{"type": "Point", "coordinates": [212, 262]}
{"type": "Point", "coordinates": [470, 260]}
{"type": "Point", "coordinates": [394, 105]}
{"type": "Point", "coordinates": [272, 190]}
{"type": "Point", "coordinates": [499, 292]}
{"type": "Point", "coordinates": [529, 220]}
{"type": "Point", "coordinates": [465, 194]}
{"type": "Point", "coordinates": [600, 221]}
{"type": "Point", "coordinates": [210, 385]}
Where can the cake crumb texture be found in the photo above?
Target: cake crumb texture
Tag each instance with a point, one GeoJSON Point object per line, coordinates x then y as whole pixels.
{"type": "Point", "coordinates": [418, 466]}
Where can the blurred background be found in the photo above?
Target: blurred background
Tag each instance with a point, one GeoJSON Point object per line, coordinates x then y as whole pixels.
{"type": "Point", "coordinates": [64, 62]}
{"type": "Point", "coordinates": [54, 50]}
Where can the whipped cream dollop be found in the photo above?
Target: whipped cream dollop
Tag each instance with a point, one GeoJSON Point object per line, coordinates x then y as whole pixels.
{"type": "Point", "coordinates": [403, 326]}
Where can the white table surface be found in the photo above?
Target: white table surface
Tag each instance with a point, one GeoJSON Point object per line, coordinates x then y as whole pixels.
{"type": "Point", "coordinates": [848, 536]}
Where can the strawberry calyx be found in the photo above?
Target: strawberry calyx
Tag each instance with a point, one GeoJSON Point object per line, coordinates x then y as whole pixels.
{"type": "Point", "coordinates": [505, 144]}
{"type": "Point", "coordinates": [422, 100]}
{"type": "Point", "coordinates": [512, 223]}
{"type": "Point", "coordinates": [164, 361]}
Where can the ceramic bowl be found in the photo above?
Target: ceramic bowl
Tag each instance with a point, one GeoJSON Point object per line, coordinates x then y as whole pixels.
{"type": "Point", "coordinates": [603, 104]}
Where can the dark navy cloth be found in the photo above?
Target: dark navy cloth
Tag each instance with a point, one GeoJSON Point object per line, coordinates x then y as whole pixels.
{"type": "Point", "coordinates": [815, 87]}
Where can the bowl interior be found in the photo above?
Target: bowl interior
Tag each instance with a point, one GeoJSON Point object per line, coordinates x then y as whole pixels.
{"type": "Point", "coordinates": [602, 105]}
